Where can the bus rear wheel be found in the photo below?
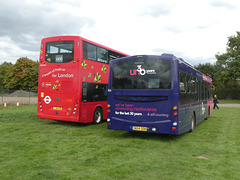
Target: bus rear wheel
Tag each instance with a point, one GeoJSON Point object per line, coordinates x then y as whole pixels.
{"type": "Point", "coordinates": [193, 123]}
{"type": "Point", "coordinates": [97, 116]}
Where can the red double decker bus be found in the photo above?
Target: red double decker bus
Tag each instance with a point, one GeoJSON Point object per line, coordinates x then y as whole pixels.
{"type": "Point", "coordinates": [73, 79]}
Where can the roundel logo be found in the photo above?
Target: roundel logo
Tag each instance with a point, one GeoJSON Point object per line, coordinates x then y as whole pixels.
{"type": "Point", "coordinates": [47, 99]}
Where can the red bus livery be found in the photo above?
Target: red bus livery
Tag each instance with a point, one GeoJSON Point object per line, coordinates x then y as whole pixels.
{"type": "Point", "coordinates": [73, 79]}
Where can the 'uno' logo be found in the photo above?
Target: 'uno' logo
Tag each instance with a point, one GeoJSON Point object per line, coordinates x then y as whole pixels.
{"type": "Point", "coordinates": [141, 71]}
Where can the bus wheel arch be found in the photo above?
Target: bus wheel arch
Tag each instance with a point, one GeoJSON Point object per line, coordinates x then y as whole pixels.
{"type": "Point", "coordinates": [98, 115]}
{"type": "Point", "coordinates": [193, 122]}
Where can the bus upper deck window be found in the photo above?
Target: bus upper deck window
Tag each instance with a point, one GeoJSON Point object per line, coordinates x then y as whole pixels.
{"type": "Point", "coordinates": [59, 51]}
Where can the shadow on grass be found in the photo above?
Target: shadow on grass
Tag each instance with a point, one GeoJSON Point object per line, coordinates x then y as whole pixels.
{"type": "Point", "coordinates": [149, 136]}
{"type": "Point", "coordinates": [119, 134]}
{"type": "Point", "coordinates": [67, 123]}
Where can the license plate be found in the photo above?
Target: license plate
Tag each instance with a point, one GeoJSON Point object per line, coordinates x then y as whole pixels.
{"type": "Point", "coordinates": [57, 108]}
{"type": "Point", "coordinates": [138, 128]}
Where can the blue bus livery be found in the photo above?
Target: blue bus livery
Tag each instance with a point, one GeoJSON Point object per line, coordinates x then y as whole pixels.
{"type": "Point", "coordinates": [157, 94]}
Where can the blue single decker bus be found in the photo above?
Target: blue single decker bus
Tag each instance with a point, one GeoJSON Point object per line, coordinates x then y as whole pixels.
{"type": "Point", "coordinates": [157, 94]}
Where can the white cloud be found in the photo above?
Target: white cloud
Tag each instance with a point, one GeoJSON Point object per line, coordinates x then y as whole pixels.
{"type": "Point", "coordinates": [10, 51]}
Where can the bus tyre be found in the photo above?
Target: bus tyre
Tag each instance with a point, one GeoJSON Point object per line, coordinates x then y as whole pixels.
{"type": "Point", "coordinates": [97, 116]}
{"type": "Point", "coordinates": [193, 123]}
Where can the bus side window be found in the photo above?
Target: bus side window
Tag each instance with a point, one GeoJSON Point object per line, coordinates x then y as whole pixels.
{"type": "Point", "coordinates": [188, 82]}
{"type": "Point", "coordinates": [209, 91]}
{"type": "Point", "coordinates": [89, 51]}
{"type": "Point", "coordinates": [92, 92]}
{"type": "Point", "coordinates": [182, 88]}
{"type": "Point", "coordinates": [102, 55]}
{"type": "Point", "coordinates": [113, 55]}
{"type": "Point", "coordinates": [182, 84]}
{"type": "Point", "coordinates": [193, 85]}
{"type": "Point", "coordinates": [206, 91]}
{"type": "Point", "coordinates": [202, 90]}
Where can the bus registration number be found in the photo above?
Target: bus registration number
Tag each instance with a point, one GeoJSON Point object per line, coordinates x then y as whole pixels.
{"type": "Point", "coordinates": [57, 108]}
{"type": "Point", "coordinates": [138, 128]}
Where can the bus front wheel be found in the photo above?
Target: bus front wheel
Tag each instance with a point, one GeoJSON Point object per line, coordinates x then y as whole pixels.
{"type": "Point", "coordinates": [97, 116]}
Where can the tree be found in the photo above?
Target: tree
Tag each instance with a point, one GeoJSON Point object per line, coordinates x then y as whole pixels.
{"type": "Point", "coordinates": [4, 68]}
{"type": "Point", "coordinates": [23, 75]}
{"type": "Point", "coordinates": [228, 78]}
{"type": "Point", "coordinates": [207, 69]}
{"type": "Point", "coordinates": [230, 61]}
{"type": "Point", "coordinates": [226, 72]}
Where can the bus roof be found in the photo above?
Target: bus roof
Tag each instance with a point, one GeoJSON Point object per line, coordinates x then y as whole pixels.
{"type": "Point", "coordinates": [65, 37]}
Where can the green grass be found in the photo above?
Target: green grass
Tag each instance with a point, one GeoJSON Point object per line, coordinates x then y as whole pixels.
{"type": "Point", "coordinates": [32, 148]}
{"type": "Point", "coordinates": [229, 101]}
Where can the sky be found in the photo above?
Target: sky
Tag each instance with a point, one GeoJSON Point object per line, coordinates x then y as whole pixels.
{"type": "Point", "coordinates": [193, 30]}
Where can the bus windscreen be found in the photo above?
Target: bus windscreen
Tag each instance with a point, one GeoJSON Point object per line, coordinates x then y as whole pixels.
{"type": "Point", "coordinates": [142, 73]}
{"type": "Point", "coordinates": [59, 51]}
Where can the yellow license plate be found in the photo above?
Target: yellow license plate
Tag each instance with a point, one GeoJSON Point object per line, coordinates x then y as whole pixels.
{"type": "Point", "coordinates": [138, 128]}
{"type": "Point", "coordinates": [57, 108]}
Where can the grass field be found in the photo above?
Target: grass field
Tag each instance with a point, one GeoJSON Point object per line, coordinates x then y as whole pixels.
{"type": "Point", "coordinates": [32, 148]}
{"type": "Point", "coordinates": [229, 101]}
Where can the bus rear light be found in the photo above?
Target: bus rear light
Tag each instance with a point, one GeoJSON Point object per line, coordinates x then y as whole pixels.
{"type": "Point", "coordinates": [108, 105]}
{"type": "Point", "coordinates": [174, 128]}
{"type": "Point", "coordinates": [108, 120]}
{"type": "Point", "coordinates": [74, 112]}
{"type": "Point", "coordinates": [109, 123]}
{"type": "Point", "coordinates": [75, 109]}
{"type": "Point", "coordinates": [40, 106]}
{"type": "Point", "coordinates": [175, 108]}
{"type": "Point", "coordinates": [154, 129]}
{"type": "Point", "coordinates": [108, 111]}
{"type": "Point", "coordinates": [41, 110]}
{"type": "Point", "coordinates": [175, 124]}
{"type": "Point", "coordinates": [175, 114]}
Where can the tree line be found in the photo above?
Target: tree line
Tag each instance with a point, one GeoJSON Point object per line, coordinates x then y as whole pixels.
{"type": "Point", "coordinates": [21, 75]}
{"type": "Point", "coordinates": [225, 73]}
